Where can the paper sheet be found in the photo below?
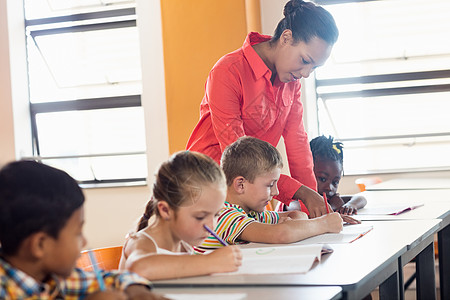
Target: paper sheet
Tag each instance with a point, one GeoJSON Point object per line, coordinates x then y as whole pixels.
{"type": "Point", "coordinates": [233, 296]}
{"type": "Point", "coordinates": [278, 259]}
{"type": "Point", "coordinates": [349, 234]}
{"type": "Point", "coordinates": [388, 209]}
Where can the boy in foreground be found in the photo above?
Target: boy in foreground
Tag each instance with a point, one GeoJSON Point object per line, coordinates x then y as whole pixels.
{"type": "Point", "coordinates": [41, 220]}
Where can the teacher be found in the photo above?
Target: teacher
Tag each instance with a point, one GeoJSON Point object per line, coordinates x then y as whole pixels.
{"type": "Point", "coordinates": [255, 91]}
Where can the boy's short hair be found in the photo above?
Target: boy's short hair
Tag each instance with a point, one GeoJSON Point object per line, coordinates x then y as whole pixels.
{"type": "Point", "coordinates": [249, 157]}
{"type": "Point", "coordinates": [34, 197]}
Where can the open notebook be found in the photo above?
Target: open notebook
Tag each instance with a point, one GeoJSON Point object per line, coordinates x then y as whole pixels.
{"type": "Point", "coordinates": [349, 234]}
{"type": "Point", "coordinates": [280, 259]}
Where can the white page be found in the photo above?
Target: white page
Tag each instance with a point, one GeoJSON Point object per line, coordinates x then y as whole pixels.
{"type": "Point", "coordinates": [232, 296]}
{"type": "Point", "coordinates": [278, 259]}
{"type": "Point", "coordinates": [387, 209]}
{"type": "Point", "coordinates": [347, 235]}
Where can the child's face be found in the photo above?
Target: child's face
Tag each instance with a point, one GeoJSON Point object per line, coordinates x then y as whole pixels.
{"type": "Point", "coordinates": [328, 174]}
{"type": "Point", "coordinates": [189, 220]}
{"type": "Point", "coordinates": [261, 191]}
{"type": "Point", "coordinates": [63, 252]}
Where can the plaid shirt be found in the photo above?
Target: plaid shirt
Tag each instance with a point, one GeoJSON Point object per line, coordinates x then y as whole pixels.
{"type": "Point", "coordinates": [17, 285]}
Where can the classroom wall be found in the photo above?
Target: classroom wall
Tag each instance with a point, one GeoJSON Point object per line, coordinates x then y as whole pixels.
{"type": "Point", "coordinates": [196, 34]}
{"type": "Point", "coordinates": [7, 148]}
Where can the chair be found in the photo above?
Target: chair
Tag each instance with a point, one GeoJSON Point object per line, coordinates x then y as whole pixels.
{"type": "Point", "coordinates": [363, 182]}
{"type": "Point", "coordinates": [108, 258]}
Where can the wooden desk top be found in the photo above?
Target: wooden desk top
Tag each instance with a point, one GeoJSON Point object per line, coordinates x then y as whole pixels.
{"type": "Point", "coordinates": [436, 204]}
{"type": "Point", "coordinates": [257, 293]}
{"type": "Point", "coordinates": [367, 261]}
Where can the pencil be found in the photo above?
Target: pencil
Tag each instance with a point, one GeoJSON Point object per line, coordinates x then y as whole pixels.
{"type": "Point", "coordinates": [215, 235]}
{"type": "Point", "coordinates": [326, 204]}
{"type": "Point", "coordinates": [101, 283]}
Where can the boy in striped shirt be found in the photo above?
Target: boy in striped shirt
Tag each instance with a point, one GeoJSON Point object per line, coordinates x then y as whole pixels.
{"type": "Point", "coordinates": [252, 168]}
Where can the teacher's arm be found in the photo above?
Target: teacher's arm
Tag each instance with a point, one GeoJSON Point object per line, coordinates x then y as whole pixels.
{"type": "Point", "coordinates": [300, 159]}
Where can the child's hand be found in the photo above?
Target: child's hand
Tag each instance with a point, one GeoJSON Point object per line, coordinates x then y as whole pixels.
{"type": "Point", "coordinates": [107, 295]}
{"type": "Point", "coordinates": [226, 259]}
{"type": "Point", "coordinates": [347, 209]}
{"type": "Point", "coordinates": [333, 222]}
{"type": "Point", "coordinates": [350, 220]}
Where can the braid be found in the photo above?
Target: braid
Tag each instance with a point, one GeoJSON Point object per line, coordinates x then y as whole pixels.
{"type": "Point", "coordinates": [326, 148]}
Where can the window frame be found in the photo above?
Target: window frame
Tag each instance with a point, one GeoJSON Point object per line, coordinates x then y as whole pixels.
{"type": "Point", "coordinates": [63, 25]}
{"type": "Point", "coordinates": [367, 91]}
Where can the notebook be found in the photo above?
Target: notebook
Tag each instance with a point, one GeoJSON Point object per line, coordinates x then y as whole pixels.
{"type": "Point", "coordinates": [393, 210]}
{"type": "Point", "coordinates": [279, 259]}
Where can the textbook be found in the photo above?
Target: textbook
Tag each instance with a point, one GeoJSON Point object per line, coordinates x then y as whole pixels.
{"type": "Point", "coordinates": [279, 259]}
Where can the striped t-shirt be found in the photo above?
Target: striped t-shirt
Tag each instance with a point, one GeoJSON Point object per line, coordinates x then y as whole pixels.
{"type": "Point", "coordinates": [231, 223]}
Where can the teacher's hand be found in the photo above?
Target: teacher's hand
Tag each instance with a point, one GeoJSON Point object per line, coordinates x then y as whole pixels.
{"type": "Point", "coordinates": [313, 201]}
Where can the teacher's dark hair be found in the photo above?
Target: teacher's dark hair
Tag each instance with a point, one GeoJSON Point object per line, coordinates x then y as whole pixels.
{"type": "Point", "coordinates": [307, 20]}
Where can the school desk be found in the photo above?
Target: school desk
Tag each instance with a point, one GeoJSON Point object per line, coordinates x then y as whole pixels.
{"type": "Point", "coordinates": [254, 293]}
{"type": "Point", "coordinates": [358, 267]}
{"type": "Point", "coordinates": [436, 206]}
{"type": "Point", "coordinates": [411, 184]}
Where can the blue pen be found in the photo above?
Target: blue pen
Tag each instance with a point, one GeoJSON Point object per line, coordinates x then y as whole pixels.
{"type": "Point", "coordinates": [215, 235]}
{"type": "Point", "coordinates": [101, 283]}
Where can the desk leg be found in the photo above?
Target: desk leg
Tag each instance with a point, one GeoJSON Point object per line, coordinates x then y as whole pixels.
{"type": "Point", "coordinates": [425, 274]}
{"type": "Point", "coordinates": [444, 262]}
{"type": "Point", "coordinates": [401, 286]}
{"type": "Point", "coordinates": [389, 289]}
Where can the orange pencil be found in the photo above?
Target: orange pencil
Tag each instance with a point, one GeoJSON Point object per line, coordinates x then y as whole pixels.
{"type": "Point", "coordinates": [326, 204]}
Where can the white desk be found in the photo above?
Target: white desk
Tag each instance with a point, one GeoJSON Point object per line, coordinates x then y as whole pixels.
{"type": "Point", "coordinates": [256, 293]}
{"type": "Point", "coordinates": [358, 267]}
{"type": "Point", "coordinates": [436, 206]}
{"type": "Point", "coordinates": [411, 184]}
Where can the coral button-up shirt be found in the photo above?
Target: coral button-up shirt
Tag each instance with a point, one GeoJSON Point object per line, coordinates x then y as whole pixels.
{"type": "Point", "coordinates": [241, 100]}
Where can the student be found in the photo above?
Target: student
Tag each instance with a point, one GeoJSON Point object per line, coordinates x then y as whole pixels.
{"type": "Point", "coordinates": [41, 220]}
{"type": "Point", "coordinates": [188, 194]}
{"type": "Point", "coordinates": [255, 91]}
{"type": "Point", "coordinates": [252, 168]}
{"type": "Point", "coordinates": [328, 168]}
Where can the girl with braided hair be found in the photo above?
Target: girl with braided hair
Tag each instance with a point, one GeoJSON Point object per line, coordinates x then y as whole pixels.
{"type": "Point", "coordinates": [188, 194]}
{"type": "Point", "coordinates": [328, 157]}
{"type": "Point", "coordinates": [255, 91]}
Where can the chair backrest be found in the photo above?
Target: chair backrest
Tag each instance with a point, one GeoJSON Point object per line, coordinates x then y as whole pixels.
{"type": "Point", "coordinates": [363, 182]}
{"type": "Point", "coordinates": [108, 258]}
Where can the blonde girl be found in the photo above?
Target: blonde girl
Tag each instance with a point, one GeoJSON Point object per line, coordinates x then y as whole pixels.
{"type": "Point", "coordinates": [189, 192]}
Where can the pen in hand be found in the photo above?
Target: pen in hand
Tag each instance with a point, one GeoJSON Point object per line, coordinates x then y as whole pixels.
{"type": "Point", "coordinates": [326, 203]}
{"type": "Point", "coordinates": [101, 283]}
{"type": "Point", "coordinates": [215, 235]}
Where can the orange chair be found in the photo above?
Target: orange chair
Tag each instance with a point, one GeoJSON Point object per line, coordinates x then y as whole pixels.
{"type": "Point", "coordinates": [108, 258]}
{"type": "Point", "coordinates": [363, 182]}
{"type": "Point", "coordinates": [269, 206]}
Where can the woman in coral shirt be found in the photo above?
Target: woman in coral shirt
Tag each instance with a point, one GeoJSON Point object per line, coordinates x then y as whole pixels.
{"type": "Point", "coordinates": [255, 91]}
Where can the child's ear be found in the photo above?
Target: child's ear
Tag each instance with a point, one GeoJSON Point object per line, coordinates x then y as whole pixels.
{"type": "Point", "coordinates": [165, 211]}
{"type": "Point", "coordinates": [37, 244]}
{"type": "Point", "coordinates": [239, 184]}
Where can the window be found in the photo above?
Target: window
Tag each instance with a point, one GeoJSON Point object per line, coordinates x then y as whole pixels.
{"type": "Point", "coordinates": [385, 91]}
{"type": "Point", "coordinates": [85, 86]}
